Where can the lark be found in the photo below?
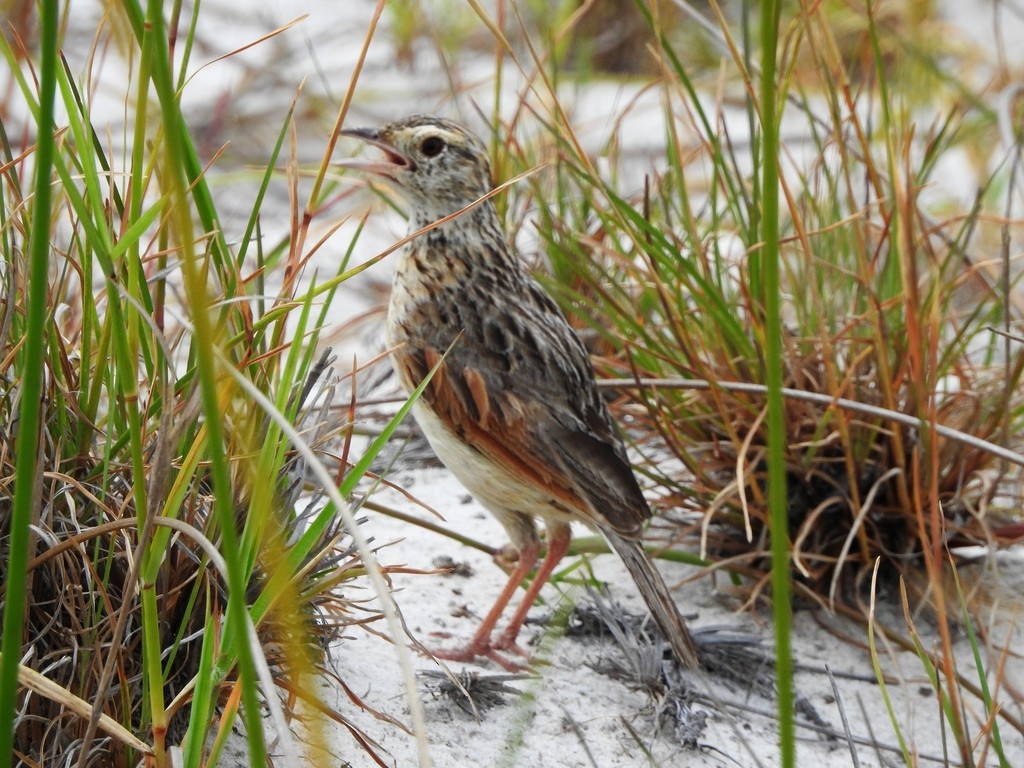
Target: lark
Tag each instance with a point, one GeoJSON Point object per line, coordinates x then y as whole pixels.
{"type": "Point", "coordinates": [513, 409]}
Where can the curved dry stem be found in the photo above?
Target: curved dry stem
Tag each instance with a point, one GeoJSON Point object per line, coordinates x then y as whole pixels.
{"type": "Point", "coordinates": [814, 397]}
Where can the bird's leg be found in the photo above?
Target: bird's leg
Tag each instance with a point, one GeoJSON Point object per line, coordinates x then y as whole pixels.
{"type": "Point", "coordinates": [481, 645]}
{"type": "Point", "coordinates": [559, 537]}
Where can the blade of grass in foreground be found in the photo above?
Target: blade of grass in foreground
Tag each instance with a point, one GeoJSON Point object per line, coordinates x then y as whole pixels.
{"type": "Point", "coordinates": [979, 664]}
{"type": "Point", "coordinates": [178, 157]}
{"type": "Point", "coordinates": [877, 666]}
{"type": "Point", "coordinates": [33, 356]}
{"type": "Point", "coordinates": [778, 504]}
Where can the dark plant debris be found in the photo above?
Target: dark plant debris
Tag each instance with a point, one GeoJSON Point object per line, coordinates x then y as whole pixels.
{"type": "Point", "coordinates": [641, 661]}
{"type": "Point", "coordinates": [473, 693]}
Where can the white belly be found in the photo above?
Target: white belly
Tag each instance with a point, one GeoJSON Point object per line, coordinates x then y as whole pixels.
{"type": "Point", "coordinates": [489, 483]}
{"type": "Point", "coordinates": [513, 502]}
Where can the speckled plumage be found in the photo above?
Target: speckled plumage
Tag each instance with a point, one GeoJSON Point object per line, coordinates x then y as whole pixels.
{"type": "Point", "coordinates": [513, 410]}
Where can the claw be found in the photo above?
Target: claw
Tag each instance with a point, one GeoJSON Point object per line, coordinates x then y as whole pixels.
{"type": "Point", "coordinates": [507, 642]}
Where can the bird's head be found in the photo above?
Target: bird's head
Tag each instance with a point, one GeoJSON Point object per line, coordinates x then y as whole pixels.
{"type": "Point", "coordinates": [436, 164]}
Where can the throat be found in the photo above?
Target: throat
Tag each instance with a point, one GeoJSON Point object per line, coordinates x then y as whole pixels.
{"type": "Point", "coordinates": [462, 247]}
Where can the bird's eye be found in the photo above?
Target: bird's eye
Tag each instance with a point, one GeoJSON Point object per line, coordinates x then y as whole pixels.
{"type": "Point", "coordinates": [432, 146]}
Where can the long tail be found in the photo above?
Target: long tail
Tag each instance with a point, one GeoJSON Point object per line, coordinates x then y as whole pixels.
{"type": "Point", "coordinates": [656, 595]}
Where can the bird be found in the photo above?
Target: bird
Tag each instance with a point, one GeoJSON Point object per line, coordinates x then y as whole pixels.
{"type": "Point", "coordinates": [512, 409]}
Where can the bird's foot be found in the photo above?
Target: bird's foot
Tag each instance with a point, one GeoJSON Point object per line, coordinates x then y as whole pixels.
{"type": "Point", "coordinates": [486, 650]}
{"type": "Point", "coordinates": [506, 642]}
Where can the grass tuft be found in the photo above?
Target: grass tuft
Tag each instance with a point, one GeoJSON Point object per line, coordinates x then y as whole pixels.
{"type": "Point", "coordinates": [175, 571]}
{"type": "Point", "coordinates": [883, 304]}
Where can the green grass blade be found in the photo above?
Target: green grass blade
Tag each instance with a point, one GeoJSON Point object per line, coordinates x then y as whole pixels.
{"type": "Point", "coordinates": [33, 357]}
{"type": "Point", "coordinates": [181, 167]}
{"type": "Point", "coordinates": [883, 686]}
{"type": "Point", "coordinates": [979, 665]}
{"type": "Point", "coordinates": [778, 502]}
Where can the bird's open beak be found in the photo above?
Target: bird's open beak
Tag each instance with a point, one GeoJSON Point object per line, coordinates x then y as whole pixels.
{"type": "Point", "coordinates": [393, 159]}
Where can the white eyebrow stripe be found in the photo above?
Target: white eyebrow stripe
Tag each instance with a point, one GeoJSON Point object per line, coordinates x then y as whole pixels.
{"type": "Point", "coordinates": [452, 138]}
